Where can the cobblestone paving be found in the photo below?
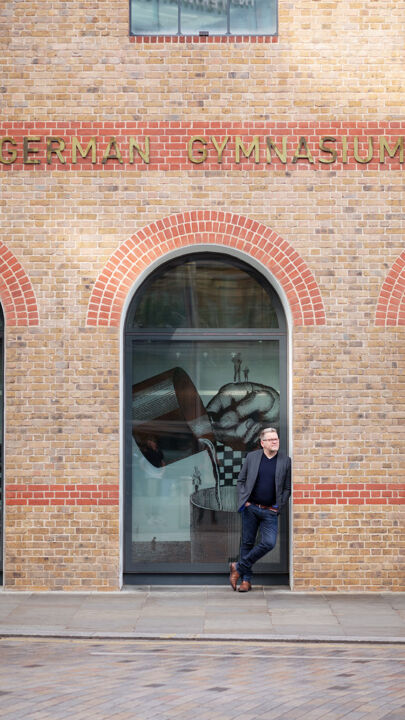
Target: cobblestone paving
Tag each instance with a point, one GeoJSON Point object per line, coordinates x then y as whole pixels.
{"type": "Point", "coordinates": [187, 680]}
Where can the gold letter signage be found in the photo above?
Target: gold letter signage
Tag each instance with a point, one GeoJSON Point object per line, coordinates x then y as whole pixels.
{"type": "Point", "coordinates": [174, 146]}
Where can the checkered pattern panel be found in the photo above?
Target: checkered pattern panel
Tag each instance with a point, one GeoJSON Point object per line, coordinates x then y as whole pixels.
{"type": "Point", "coordinates": [229, 463]}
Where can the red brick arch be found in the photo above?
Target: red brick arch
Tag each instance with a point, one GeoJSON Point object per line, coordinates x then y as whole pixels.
{"type": "Point", "coordinates": [16, 292]}
{"type": "Point", "coordinates": [391, 303]}
{"type": "Point", "coordinates": [205, 227]}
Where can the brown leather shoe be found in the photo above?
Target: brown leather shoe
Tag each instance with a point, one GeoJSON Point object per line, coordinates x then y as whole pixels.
{"type": "Point", "coordinates": [245, 586]}
{"type": "Point", "coordinates": [233, 575]}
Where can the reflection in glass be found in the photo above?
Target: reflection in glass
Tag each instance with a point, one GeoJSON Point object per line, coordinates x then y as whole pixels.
{"type": "Point", "coordinates": [154, 17]}
{"type": "Point", "coordinates": [250, 17]}
{"type": "Point", "coordinates": [205, 294]}
{"type": "Point", "coordinates": [191, 426]}
{"type": "Point", "coordinates": [197, 15]}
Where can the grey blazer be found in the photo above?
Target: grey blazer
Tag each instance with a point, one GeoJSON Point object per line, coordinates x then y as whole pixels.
{"type": "Point", "coordinates": [248, 475]}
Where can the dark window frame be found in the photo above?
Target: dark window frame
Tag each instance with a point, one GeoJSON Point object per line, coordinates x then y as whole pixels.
{"type": "Point", "coordinates": [202, 32]}
{"type": "Point", "coordinates": [201, 574]}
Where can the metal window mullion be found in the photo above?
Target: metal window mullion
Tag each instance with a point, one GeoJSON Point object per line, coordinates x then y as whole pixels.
{"type": "Point", "coordinates": [228, 17]}
{"type": "Point", "coordinates": [127, 409]}
{"type": "Point", "coordinates": [203, 337]}
{"type": "Point", "coordinates": [179, 17]}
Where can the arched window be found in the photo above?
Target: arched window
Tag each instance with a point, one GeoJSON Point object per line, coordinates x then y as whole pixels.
{"type": "Point", "coordinates": [205, 371]}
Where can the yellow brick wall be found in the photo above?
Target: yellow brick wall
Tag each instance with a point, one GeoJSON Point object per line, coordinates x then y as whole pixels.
{"type": "Point", "coordinates": [334, 61]}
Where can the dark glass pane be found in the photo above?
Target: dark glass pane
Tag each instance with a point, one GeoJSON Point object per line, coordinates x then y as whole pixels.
{"type": "Point", "coordinates": [165, 302]}
{"type": "Point", "coordinates": [199, 15]}
{"type": "Point", "coordinates": [252, 17]}
{"type": "Point", "coordinates": [194, 413]}
{"type": "Point", "coordinates": [204, 294]}
{"type": "Point", "coordinates": [152, 17]}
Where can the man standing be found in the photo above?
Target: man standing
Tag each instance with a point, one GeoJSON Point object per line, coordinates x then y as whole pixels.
{"type": "Point", "coordinates": [264, 486]}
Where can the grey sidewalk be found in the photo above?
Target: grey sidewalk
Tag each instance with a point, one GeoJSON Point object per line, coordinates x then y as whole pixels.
{"type": "Point", "coordinates": [206, 613]}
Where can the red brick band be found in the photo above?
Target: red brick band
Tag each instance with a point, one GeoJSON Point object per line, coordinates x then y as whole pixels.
{"type": "Point", "coordinates": [16, 292]}
{"type": "Point", "coordinates": [200, 146]}
{"type": "Point", "coordinates": [349, 493]}
{"type": "Point", "coordinates": [304, 494]}
{"type": "Point", "coordinates": [62, 494]}
{"type": "Point", "coordinates": [391, 303]}
{"type": "Point", "coordinates": [206, 227]}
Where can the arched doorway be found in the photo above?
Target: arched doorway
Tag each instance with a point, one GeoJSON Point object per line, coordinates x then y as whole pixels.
{"type": "Point", "coordinates": [205, 371]}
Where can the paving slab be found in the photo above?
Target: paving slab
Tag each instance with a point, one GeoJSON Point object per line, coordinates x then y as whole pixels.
{"type": "Point", "coordinates": [206, 612]}
{"type": "Point", "coordinates": [169, 626]}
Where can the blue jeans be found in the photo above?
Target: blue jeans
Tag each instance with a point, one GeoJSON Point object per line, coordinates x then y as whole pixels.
{"type": "Point", "coordinates": [254, 519]}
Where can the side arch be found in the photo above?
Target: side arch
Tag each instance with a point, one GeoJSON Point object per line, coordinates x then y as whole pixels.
{"type": "Point", "coordinates": [16, 292]}
{"type": "Point", "coordinates": [391, 302]}
{"type": "Point", "coordinates": [204, 227]}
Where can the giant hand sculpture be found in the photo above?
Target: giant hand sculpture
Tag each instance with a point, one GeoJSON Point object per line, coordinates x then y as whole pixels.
{"type": "Point", "coordinates": [239, 411]}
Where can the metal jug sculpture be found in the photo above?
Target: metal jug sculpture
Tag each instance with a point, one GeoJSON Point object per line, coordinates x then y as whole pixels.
{"type": "Point", "coordinates": [168, 409]}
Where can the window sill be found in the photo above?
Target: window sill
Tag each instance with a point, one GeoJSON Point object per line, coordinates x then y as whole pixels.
{"type": "Point", "coordinates": [203, 38]}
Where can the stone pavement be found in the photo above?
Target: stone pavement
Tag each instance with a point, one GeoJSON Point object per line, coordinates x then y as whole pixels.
{"type": "Point", "coordinates": [208, 613]}
{"type": "Point", "coordinates": [65, 679]}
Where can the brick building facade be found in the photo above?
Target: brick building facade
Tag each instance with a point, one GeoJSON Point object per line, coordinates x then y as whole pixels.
{"type": "Point", "coordinates": [119, 154]}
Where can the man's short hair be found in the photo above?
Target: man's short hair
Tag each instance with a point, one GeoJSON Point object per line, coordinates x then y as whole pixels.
{"type": "Point", "coordinates": [267, 430]}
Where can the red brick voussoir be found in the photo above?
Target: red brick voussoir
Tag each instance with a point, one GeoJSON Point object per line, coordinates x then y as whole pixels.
{"type": "Point", "coordinates": [391, 302]}
{"type": "Point", "coordinates": [16, 292]}
{"type": "Point", "coordinates": [205, 227]}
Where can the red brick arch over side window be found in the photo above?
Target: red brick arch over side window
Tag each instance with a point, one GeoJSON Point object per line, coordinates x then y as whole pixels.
{"type": "Point", "coordinates": [391, 303]}
{"type": "Point", "coordinates": [205, 227]}
{"type": "Point", "coordinates": [16, 292]}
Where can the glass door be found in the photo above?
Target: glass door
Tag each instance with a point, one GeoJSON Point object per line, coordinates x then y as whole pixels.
{"type": "Point", "coordinates": [197, 398]}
